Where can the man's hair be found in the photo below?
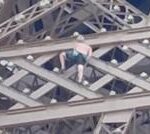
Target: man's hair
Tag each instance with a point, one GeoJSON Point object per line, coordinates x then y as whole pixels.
{"type": "Point", "coordinates": [80, 38]}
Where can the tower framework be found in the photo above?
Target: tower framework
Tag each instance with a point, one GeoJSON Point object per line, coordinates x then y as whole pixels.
{"type": "Point", "coordinates": [37, 100]}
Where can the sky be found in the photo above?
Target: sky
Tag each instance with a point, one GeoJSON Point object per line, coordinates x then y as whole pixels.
{"type": "Point", "coordinates": [143, 5]}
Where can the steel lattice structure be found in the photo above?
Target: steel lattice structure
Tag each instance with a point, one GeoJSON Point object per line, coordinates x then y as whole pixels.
{"type": "Point", "coordinates": [42, 101]}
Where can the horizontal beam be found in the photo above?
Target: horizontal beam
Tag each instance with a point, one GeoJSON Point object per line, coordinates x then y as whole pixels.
{"type": "Point", "coordinates": [95, 40]}
{"type": "Point", "coordinates": [74, 109]}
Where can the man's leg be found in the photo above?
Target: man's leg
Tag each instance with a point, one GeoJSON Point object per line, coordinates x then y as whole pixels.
{"type": "Point", "coordinates": [62, 57]}
{"type": "Point", "coordinates": [80, 70]}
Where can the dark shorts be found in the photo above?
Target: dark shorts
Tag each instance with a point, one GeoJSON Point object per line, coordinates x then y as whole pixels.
{"type": "Point", "coordinates": [76, 57]}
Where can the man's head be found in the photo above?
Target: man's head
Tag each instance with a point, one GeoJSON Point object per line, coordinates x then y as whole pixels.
{"type": "Point", "coordinates": [75, 34]}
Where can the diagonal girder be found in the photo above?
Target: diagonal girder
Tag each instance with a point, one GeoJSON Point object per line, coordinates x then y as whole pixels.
{"type": "Point", "coordinates": [44, 89]}
{"type": "Point", "coordinates": [125, 66]}
{"type": "Point", "coordinates": [31, 14]}
{"type": "Point", "coordinates": [20, 74]}
{"type": "Point", "coordinates": [121, 15]}
{"type": "Point", "coordinates": [68, 84]}
{"type": "Point", "coordinates": [141, 49]}
{"type": "Point", "coordinates": [15, 77]}
{"type": "Point", "coordinates": [7, 91]}
{"type": "Point", "coordinates": [132, 8]}
{"type": "Point", "coordinates": [120, 74]}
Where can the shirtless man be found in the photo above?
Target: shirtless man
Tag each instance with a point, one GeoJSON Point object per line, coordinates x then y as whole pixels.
{"type": "Point", "coordinates": [79, 54]}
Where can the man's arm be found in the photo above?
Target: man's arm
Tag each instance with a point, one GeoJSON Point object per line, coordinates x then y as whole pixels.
{"type": "Point", "coordinates": [90, 52]}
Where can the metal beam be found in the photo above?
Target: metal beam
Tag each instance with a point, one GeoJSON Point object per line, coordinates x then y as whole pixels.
{"type": "Point", "coordinates": [11, 93]}
{"type": "Point", "coordinates": [141, 49]}
{"type": "Point", "coordinates": [45, 89]}
{"type": "Point", "coordinates": [17, 76]}
{"type": "Point", "coordinates": [98, 4]}
{"type": "Point", "coordinates": [74, 109]}
{"type": "Point", "coordinates": [51, 76]}
{"type": "Point", "coordinates": [120, 74]}
{"type": "Point", "coordinates": [134, 9]}
{"type": "Point", "coordinates": [125, 66]}
{"type": "Point", "coordinates": [96, 40]}
{"type": "Point", "coordinates": [20, 74]}
{"type": "Point", "coordinates": [31, 14]}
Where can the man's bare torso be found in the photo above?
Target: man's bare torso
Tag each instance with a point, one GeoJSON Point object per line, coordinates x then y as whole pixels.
{"type": "Point", "coordinates": [83, 48]}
